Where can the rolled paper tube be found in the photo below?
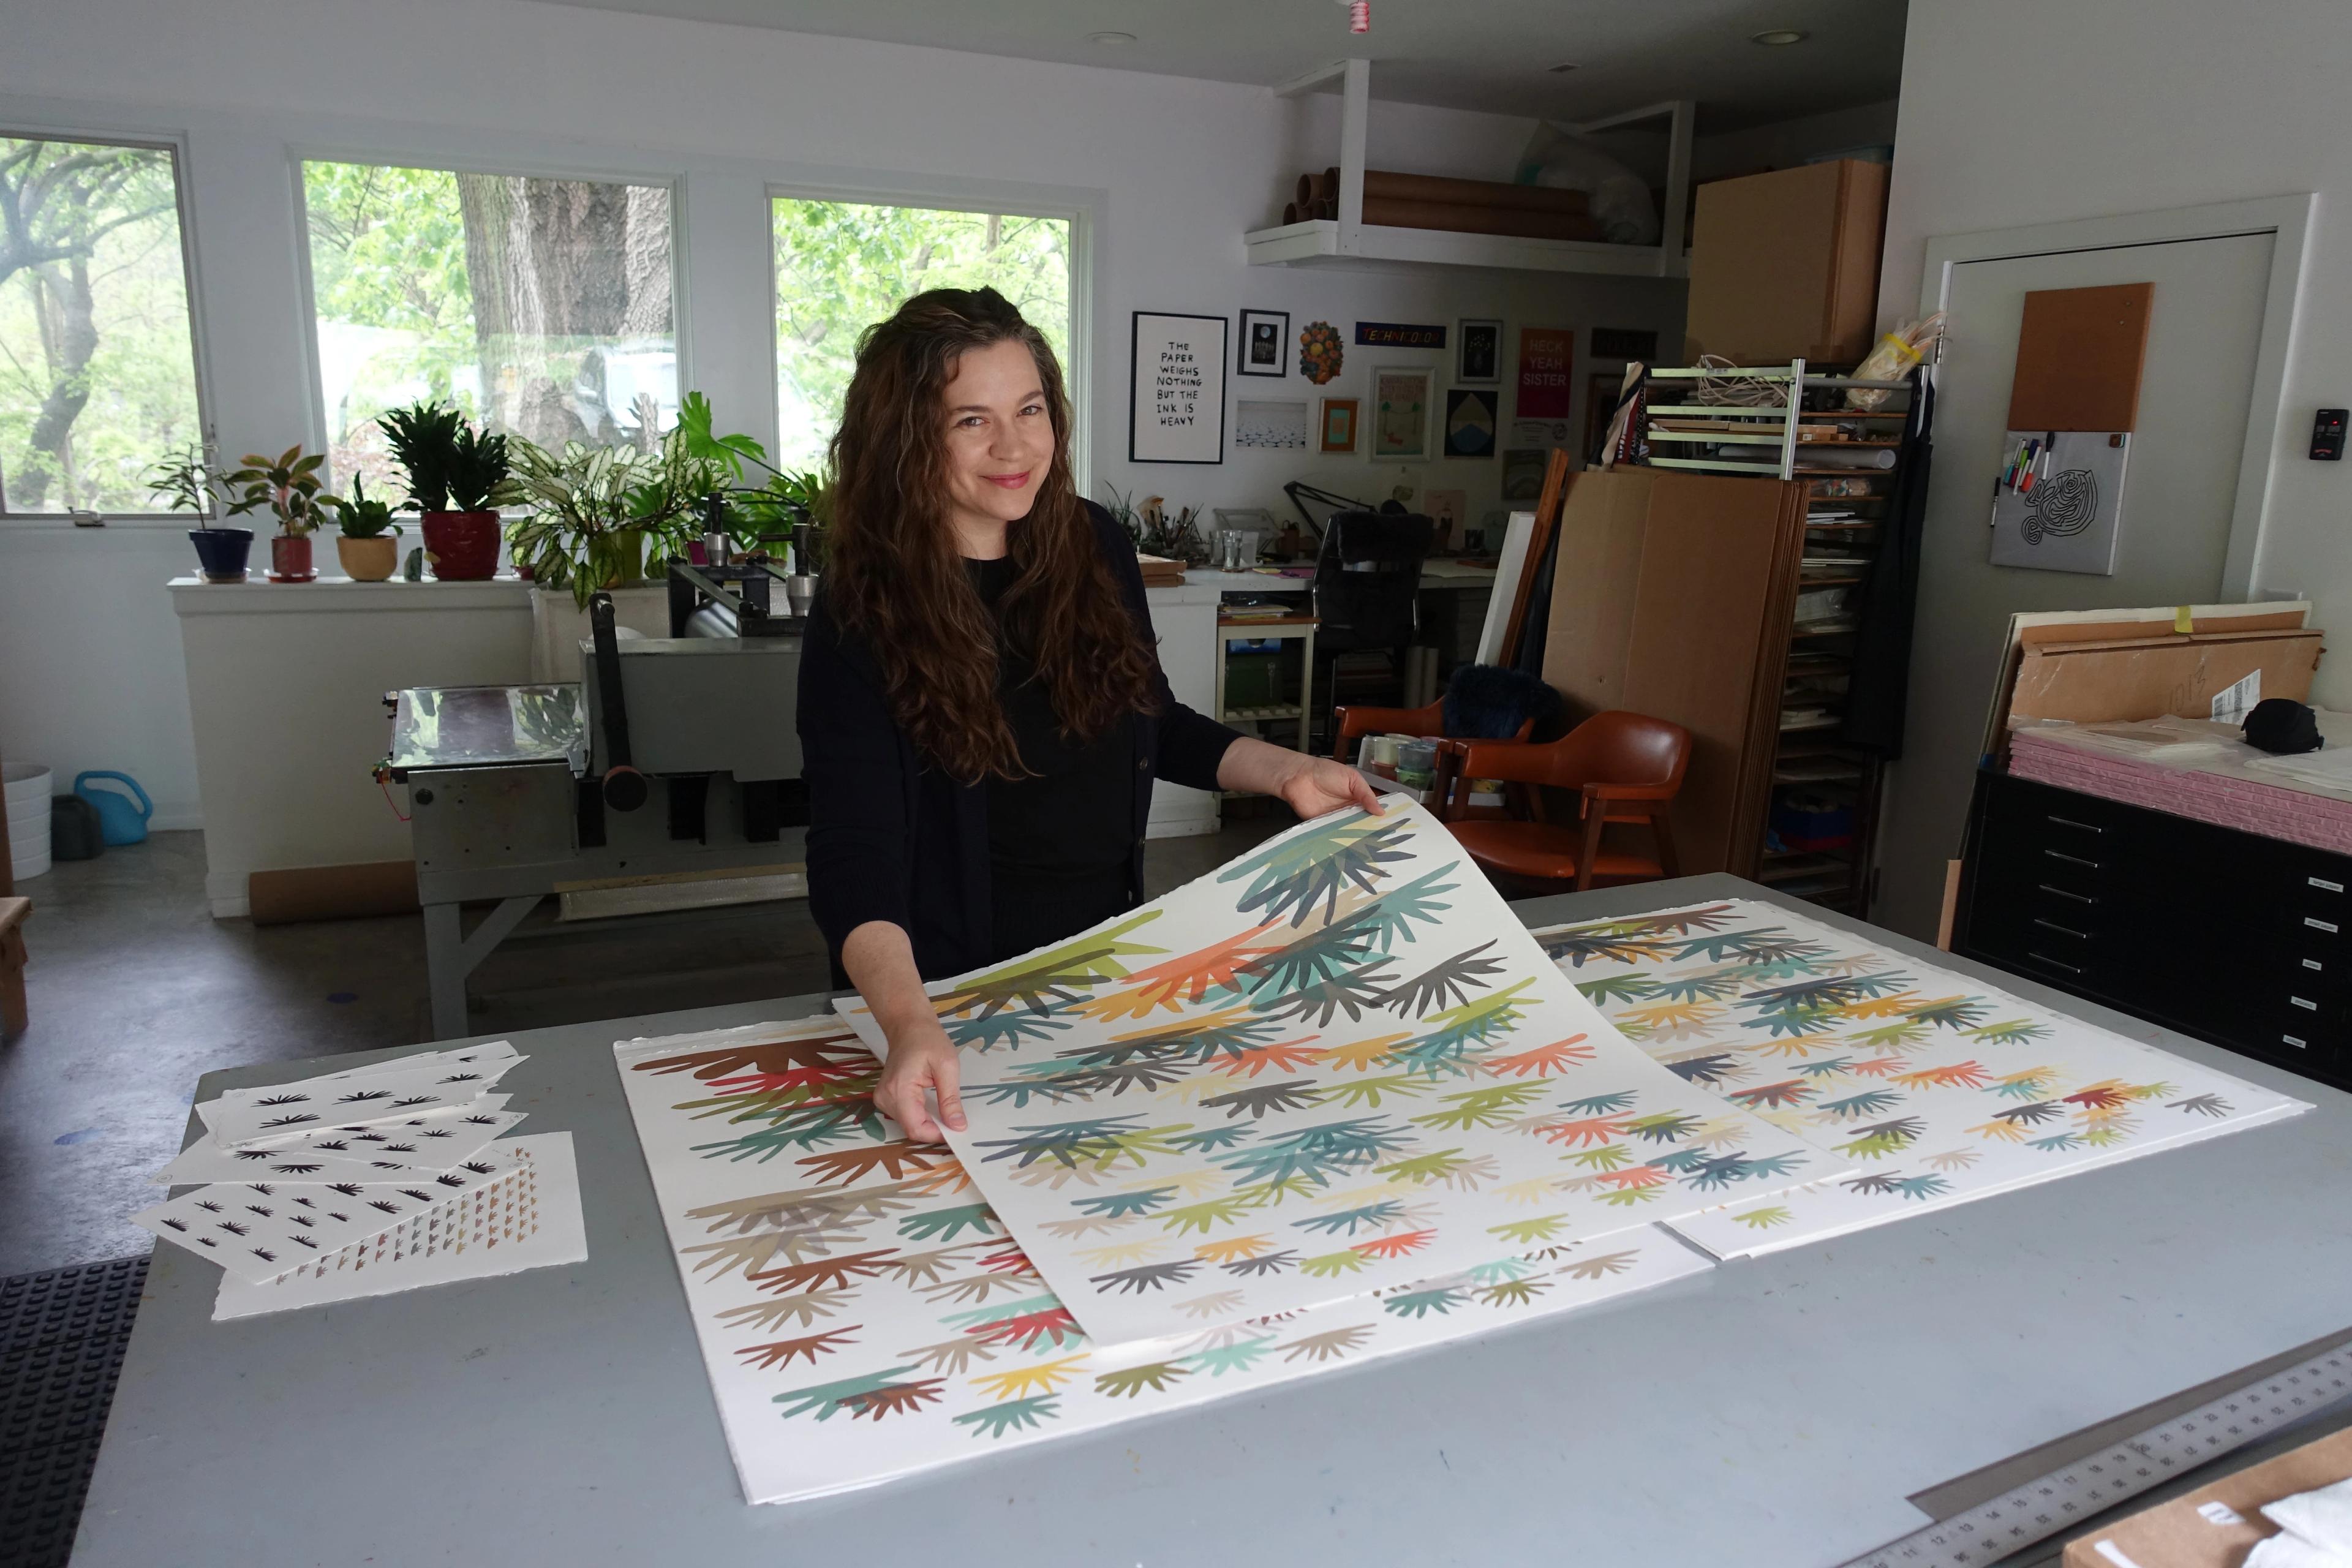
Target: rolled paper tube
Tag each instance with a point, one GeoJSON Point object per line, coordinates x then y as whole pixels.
{"type": "Point", "coordinates": [1465, 219]}
{"type": "Point", "coordinates": [1290, 212]}
{"type": "Point", "coordinates": [1472, 193]}
{"type": "Point", "coordinates": [1326, 186]}
{"type": "Point", "coordinates": [1305, 190]}
{"type": "Point", "coordinates": [1326, 209]}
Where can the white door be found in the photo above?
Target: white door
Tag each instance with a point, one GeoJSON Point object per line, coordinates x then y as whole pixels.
{"type": "Point", "coordinates": [2194, 390]}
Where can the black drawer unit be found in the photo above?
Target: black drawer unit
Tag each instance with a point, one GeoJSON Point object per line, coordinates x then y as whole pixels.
{"type": "Point", "coordinates": [2232, 937]}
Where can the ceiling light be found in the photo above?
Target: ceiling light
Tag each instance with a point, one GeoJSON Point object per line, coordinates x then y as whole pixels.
{"type": "Point", "coordinates": [1780, 36]}
{"type": "Point", "coordinates": [1560, 70]}
{"type": "Point", "coordinates": [1110, 38]}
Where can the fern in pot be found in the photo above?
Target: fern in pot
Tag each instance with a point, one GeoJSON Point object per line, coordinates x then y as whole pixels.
{"type": "Point", "coordinates": [599, 517]}
{"type": "Point", "coordinates": [457, 479]}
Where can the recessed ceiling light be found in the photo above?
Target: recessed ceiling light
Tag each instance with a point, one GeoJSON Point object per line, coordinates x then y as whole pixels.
{"type": "Point", "coordinates": [1780, 36]}
{"type": "Point", "coordinates": [1562, 68]}
{"type": "Point", "coordinates": [1110, 38]}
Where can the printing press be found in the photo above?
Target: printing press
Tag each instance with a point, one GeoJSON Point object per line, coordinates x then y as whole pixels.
{"type": "Point", "coordinates": [671, 777]}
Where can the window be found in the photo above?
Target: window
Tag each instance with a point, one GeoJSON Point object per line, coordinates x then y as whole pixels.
{"type": "Point", "coordinates": [541, 306]}
{"type": "Point", "coordinates": [98, 366]}
{"type": "Point", "coordinates": [843, 266]}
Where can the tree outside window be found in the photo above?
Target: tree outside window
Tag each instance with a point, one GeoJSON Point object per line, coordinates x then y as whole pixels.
{"type": "Point", "coordinates": [843, 266]}
{"type": "Point", "coordinates": [541, 306]}
{"type": "Point", "coordinates": [98, 377]}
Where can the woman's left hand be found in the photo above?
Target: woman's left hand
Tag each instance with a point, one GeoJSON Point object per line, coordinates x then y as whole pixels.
{"type": "Point", "coordinates": [1311, 785]}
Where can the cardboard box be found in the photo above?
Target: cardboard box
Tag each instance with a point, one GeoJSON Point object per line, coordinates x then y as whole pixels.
{"type": "Point", "coordinates": [2215, 1526]}
{"type": "Point", "coordinates": [2149, 678]}
{"type": "Point", "coordinates": [2047, 631]}
{"type": "Point", "coordinates": [1785, 265]}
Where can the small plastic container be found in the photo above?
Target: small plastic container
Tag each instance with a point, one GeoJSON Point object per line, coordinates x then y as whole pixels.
{"type": "Point", "coordinates": [1416, 763]}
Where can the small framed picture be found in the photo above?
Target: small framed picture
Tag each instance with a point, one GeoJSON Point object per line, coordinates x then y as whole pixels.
{"type": "Point", "coordinates": [1469, 422]}
{"type": "Point", "coordinates": [1479, 359]}
{"type": "Point", "coordinates": [1340, 416]}
{"type": "Point", "coordinates": [1265, 342]}
{"type": "Point", "coordinates": [1400, 411]}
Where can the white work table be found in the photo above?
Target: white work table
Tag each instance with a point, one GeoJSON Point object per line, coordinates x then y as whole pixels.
{"type": "Point", "coordinates": [1434, 574]}
{"type": "Point", "coordinates": [1771, 1412]}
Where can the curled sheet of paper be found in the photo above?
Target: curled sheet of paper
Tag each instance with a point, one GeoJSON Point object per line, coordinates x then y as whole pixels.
{"type": "Point", "coordinates": [259, 1230]}
{"type": "Point", "coordinates": [529, 1219]}
{"type": "Point", "coordinates": [250, 1116]}
{"type": "Point", "coordinates": [380, 1152]}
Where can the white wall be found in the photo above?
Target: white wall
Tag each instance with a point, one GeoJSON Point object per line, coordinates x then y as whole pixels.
{"type": "Point", "coordinates": [1171, 172]}
{"type": "Point", "coordinates": [2024, 111]}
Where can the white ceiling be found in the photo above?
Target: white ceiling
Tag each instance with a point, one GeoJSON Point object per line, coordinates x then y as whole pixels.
{"type": "Point", "coordinates": [1489, 54]}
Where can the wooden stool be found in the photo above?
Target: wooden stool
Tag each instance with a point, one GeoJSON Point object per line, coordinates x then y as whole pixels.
{"type": "Point", "coordinates": [13, 913]}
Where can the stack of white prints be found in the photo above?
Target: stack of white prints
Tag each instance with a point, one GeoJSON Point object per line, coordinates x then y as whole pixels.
{"type": "Point", "coordinates": [369, 1180]}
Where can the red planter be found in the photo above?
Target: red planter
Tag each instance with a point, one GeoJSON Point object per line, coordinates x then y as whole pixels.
{"type": "Point", "coordinates": [290, 559]}
{"type": "Point", "coordinates": [462, 546]}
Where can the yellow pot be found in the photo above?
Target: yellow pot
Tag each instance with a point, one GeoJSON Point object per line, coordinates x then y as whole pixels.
{"type": "Point", "coordinates": [368, 560]}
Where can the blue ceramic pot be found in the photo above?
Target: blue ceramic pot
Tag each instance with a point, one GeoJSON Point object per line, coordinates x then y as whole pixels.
{"type": "Point", "coordinates": [221, 553]}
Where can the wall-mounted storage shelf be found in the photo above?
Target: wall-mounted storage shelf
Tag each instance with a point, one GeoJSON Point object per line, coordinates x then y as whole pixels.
{"type": "Point", "coordinates": [1348, 241]}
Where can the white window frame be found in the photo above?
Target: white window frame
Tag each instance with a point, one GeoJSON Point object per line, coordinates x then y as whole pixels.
{"type": "Point", "coordinates": [1083, 210]}
{"type": "Point", "coordinates": [300, 154]}
{"type": "Point", "coordinates": [174, 143]}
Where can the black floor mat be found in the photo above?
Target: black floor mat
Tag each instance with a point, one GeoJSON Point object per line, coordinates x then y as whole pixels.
{"type": "Point", "coordinates": [62, 1335]}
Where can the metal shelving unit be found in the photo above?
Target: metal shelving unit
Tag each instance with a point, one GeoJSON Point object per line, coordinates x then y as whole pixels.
{"type": "Point", "coordinates": [1774, 440]}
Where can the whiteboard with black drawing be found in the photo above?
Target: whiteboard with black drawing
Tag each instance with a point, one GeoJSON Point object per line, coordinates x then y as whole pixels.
{"type": "Point", "coordinates": [2058, 499]}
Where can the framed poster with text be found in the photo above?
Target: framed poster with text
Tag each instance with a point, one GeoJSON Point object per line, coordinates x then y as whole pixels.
{"type": "Point", "coordinates": [1176, 389]}
{"type": "Point", "coordinates": [1547, 356]}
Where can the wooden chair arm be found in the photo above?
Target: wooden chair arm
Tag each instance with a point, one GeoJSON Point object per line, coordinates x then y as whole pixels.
{"type": "Point", "coordinates": [1353, 720]}
{"type": "Point", "coordinates": [1628, 792]}
{"type": "Point", "coordinates": [1513, 761]}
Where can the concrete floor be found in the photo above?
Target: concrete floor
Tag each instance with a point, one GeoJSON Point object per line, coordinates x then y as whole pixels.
{"type": "Point", "coordinates": [136, 990]}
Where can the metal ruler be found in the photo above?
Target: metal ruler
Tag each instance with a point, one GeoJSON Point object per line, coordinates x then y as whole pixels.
{"type": "Point", "coordinates": [2088, 1486]}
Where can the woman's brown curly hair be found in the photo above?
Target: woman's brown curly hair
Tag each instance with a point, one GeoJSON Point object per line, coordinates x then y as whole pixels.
{"type": "Point", "coordinates": [895, 578]}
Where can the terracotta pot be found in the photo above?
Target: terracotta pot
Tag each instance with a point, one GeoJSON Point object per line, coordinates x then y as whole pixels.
{"type": "Point", "coordinates": [462, 546]}
{"type": "Point", "coordinates": [368, 560]}
{"type": "Point", "coordinates": [290, 559]}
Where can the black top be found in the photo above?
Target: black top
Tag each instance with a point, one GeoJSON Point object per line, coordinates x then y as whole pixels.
{"type": "Point", "coordinates": [1059, 839]}
{"type": "Point", "coordinates": [892, 837]}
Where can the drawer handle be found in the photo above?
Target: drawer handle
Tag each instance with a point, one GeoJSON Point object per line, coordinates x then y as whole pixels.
{"type": "Point", "coordinates": [2306, 1006]}
{"type": "Point", "coordinates": [2324, 883]}
{"type": "Point", "coordinates": [2078, 897]}
{"type": "Point", "coordinates": [2072, 859]}
{"type": "Point", "coordinates": [2316, 923]}
{"type": "Point", "coordinates": [2062, 931]}
{"type": "Point", "coordinates": [2294, 1040]}
{"type": "Point", "coordinates": [2044, 958]}
{"type": "Point", "coordinates": [2313, 963]}
{"type": "Point", "coordinates": [2087, 828]}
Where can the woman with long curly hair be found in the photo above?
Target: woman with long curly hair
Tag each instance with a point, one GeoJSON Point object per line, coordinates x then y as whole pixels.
{"type": "Point", "coordinates": [982, 708]}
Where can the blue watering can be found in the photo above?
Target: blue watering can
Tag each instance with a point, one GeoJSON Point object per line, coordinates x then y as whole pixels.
{"type": "Point", "coordinates": [119, 821]}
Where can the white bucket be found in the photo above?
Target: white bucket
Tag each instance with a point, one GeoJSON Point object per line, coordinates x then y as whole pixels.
{"type": "Point", "coordinates": [27, 787]}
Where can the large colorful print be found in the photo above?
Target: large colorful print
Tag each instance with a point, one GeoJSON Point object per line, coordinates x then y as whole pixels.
{"type": "Point", "coordinates": [1336, 1065]}
{"type": "Point", "coordinates": [864, 1314]}
{"type": "Point", "coordinates": [1935, 1088]}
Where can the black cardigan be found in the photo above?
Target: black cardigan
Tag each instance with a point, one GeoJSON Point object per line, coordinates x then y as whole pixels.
{"type": "Point", "coordinates": [893, 837]}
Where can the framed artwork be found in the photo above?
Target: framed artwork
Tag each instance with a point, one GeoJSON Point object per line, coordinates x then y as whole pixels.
{"type": "Point", "coordinates": [1469, 422]}
{"type": "Point", "coordinates": [1265, 339]}
{"type": "Point", "coordinates": [1400, 335]}
{"type": "Point", "coordinates": [1271, 425]}
{"type": "Point", "coordinates": [1478, 359]}
{"type": "Point", "coordinates": [1320, 353]}
{"type": "Point", "coordinates": [1547, 358]}
{"type": "Point", "coordinates": [1340, 416]}
{"type": "Point", "coordinates": [1400, 396]}
{"type": "Point", "coordinates": [1176, 389]}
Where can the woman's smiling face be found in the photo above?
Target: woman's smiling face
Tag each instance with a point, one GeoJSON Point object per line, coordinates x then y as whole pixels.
{"type": "Point", "coordinates": [1000, 437]}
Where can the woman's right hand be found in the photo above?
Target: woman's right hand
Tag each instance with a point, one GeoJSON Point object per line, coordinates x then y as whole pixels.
{"type": "Point", "coordinates": [921, 1057]}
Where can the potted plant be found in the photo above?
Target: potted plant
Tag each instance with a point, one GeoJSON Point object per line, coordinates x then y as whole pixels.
{"type": "Point", "coordinates": [184, 480]}
{"type": "Point", "coordinates": [458, 476]}
{"type": "Point", "coordinates": [598, 517]}
{"type": "Point", "coordinates": [788, 511]}
{"type": "Point", "coordinates": [369, 544]}
{"type": "Point", "coordinates": [288, 485]}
